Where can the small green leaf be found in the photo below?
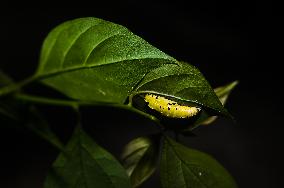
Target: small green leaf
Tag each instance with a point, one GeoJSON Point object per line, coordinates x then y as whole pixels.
{"type": "Point", "coordinates": [182, 167]}
{"type": "Point", "coordinates": [140, 158]}
{"type": "Point", "coordinates": [90, 59]}
{"type": "Point", "coordinates": [84, 164]}
{"type": "Point", "coordinates": [223, 93]}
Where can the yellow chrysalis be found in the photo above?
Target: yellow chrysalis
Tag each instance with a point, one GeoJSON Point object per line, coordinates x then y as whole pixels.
{"type": "Point", "coordinates": [170, 108]}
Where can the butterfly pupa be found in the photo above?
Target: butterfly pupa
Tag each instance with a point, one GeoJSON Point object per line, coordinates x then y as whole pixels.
{"type": "Point", "coordinates": [170, 108]}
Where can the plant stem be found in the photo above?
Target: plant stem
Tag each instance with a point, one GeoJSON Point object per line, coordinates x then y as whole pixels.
{"type": "Point", "coordinates": [16, 86]}
{"type": "Point", "coordinates": [44, 100]}
{"type": "Point", "coordinates": [130, 100]}
{"type": "Point", "coordinates": [75, 104]}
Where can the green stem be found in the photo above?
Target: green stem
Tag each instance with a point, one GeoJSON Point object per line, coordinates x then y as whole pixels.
{"type": "Point", "coordinates": [75, 104]}
{"type": "Point", "coordinates": [16, 86]}
{"type": "Point", "coordinates": [130, 100]}
{"type": "Point", "coordinates": [47, 101]}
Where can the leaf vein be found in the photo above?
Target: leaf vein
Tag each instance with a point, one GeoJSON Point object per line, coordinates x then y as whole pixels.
{"type": "Point", "coordinates": [166, 77]}
{"type": "Point", "coordinates": [73, 42]}
{"type": "Point", "coordinates": [95, 160]}
{"type": "Point", "coordinates": [51, 47]}
{"type": "Point", "coordinates": [100, 43]}
{"type": "Point", "coordinates": [54, 73]}
{"type": "Point", "coordinates": [185, 163]}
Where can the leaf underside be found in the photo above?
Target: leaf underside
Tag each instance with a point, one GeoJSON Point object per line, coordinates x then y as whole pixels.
{"type": "Point", "coordinates": [140, 158]}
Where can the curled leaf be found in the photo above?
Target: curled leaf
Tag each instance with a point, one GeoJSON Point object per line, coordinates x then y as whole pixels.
{"type": "Point", "coordinates": [140, 158]}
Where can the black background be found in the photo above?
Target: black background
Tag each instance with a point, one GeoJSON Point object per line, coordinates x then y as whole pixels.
{"type": "Point", "coordinates": [220, 38]}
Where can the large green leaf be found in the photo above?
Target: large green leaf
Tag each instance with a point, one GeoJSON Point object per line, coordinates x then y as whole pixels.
{"type": "Point", "coordinates": [84, 164]}
{"type": "Point", "coordinates": [103, 59]}
{"type": "Point", "coordinates": [140, 158]}
{"type": "Point", "coordinates": [92, 59]}
{"type": "Point", "coordinates": [182, 167]}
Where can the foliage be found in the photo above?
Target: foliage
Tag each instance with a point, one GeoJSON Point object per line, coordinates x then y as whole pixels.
{"type": "Point", "coordinates": [98, 63]}
{"type": "Point", "coordinates": [192, 168]}
{"type": "Point", "coordinates": [84, 164]}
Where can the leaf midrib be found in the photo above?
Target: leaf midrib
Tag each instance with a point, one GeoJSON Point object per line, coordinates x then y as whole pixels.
{"type": "Point", "coordinates": [168, 75]}
{"type": "Point", "coordinates": [95, 160]}
{"type": "Point", "coordinates": [54, 73]}
{"type": "Point", "coordinates": [61, 64]}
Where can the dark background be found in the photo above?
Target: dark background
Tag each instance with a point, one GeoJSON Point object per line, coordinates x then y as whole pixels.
{"type": "Point", "coordinates": [220, 38]}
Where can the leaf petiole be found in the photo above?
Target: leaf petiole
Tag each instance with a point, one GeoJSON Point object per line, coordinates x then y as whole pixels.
{"type": "Point", "coordinates": [76, 104]}
{"type": "Point", "coordinates": [16, 86]}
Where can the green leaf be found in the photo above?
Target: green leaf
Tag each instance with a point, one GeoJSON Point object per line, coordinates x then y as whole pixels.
{"type": "Point", "coordinates": [223, 93]}
{"type": "Point", "coordinates": [84, 164]}
{"type": "Point", "coordinates": [184, 82]}
{"type": "Point", "coordinates": [182, 167]}
{"type": "Point", "coordinates": [103, 59]}
{"type": "Point", "coordinates": [140, 158]}
{"type": "Point", "coordinates": [95, 60]}
{"type": "Point", "coordinates": [206, 118]}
